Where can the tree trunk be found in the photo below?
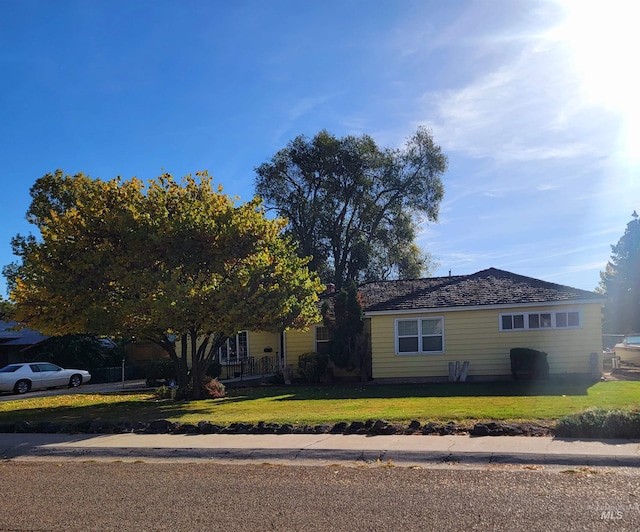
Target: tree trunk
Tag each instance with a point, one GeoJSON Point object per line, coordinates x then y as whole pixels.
{"type": "Point", "coordinates": [201, 357]}
{"type": "Point", "coordinates": [196, 377]}
{"type": "Point", "coordinates": [182, 367]}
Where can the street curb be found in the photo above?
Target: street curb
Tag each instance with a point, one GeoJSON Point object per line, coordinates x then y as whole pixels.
{"type": "Point", "coordinates": [323, 455]}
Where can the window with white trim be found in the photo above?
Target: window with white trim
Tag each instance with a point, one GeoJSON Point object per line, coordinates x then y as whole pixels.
{"type": "Point", "coordinates": [561, 319]}
{"type": "Point", "coordinates": [510, 322]}
{"type": "Point", "coordinates": [568, 320]}
{"type": "Point", "coordinates": [540, 320]}
{"type": "Point", "coordinates": [419, 336]}
{"type": "Point", "coordinates": [322, 339]}
{"type": "Point", "coordinates": [234, 349]}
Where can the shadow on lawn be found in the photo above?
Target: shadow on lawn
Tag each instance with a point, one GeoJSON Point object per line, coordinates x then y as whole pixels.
{"type": "Point", "coordinates": [389, 391]}
{"type": "Point", "coordinates": [151, 409]}
{"type": "Point", "coordinates": [135, 410]}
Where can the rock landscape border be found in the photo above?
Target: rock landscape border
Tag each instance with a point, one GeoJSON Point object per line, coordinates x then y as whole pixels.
{"type": "Point", "coordinates": [378, 427]}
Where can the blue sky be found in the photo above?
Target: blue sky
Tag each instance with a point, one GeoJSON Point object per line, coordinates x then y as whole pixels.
{"type": "Point", "coordinates": [534, 102]}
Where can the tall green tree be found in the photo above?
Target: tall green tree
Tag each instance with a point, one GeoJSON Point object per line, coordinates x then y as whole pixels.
{"type": "Point", "coordinates": [345, 321]}
{"type": "Point", "coordinates": [355, 207]}
{"type": "Point", "coordinates": [173, 262]}
{"type": "Point", "coordinates": [6, 309]}
{"type": "Point", "coordinates": [620, 282]}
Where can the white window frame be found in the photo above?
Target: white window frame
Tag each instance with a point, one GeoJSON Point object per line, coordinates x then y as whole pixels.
{"type": "Point", "coordinates": [543, 320]}
{"type": "Point", "coordinates": [529, 318]}
{"type": "Point", "coordinates": [568, 322]}
{"type": "Point", "coordinates": [234, 343]}
{"type": "Point", "coordinates": [323, 330]}
{"type": "Point", "coordinates": [515, 326]}
{"type": "Point", "coordinates": [420, 335]}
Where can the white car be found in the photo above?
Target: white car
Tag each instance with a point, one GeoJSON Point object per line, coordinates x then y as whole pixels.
{"type": "Point", "coordinates": [20, 378]}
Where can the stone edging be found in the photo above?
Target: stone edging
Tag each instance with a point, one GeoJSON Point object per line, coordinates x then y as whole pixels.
{"type": "Point", "coordinates": [371, 428]}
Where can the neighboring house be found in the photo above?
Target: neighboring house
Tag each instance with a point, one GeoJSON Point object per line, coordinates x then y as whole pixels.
{"type": "Point", "coordinates": [417, 327]}
{"type": "Point", "coordinates": [12, 342]}
{"type": "Point", "coordinates": [141, 352]}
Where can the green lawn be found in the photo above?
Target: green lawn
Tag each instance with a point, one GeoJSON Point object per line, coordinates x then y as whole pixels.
{"type": "Point", "coordinates": [516, 401]}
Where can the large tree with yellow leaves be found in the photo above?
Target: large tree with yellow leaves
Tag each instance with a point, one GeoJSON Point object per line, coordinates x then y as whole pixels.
{"type": "Point", "coordinates": [165, 260]}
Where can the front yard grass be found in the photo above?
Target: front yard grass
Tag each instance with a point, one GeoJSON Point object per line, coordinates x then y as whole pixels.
{"type": "Point", "coordinates": [312, 405]}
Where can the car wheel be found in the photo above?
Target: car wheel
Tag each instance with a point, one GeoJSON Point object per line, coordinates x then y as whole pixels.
{"type": "Point", "coordinates": [75, 381]}
{"type": "Point", "coordinates": [22, 386]}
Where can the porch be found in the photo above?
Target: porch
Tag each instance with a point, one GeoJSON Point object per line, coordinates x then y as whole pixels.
{"type": "Point", "coordinates": [248, 368]}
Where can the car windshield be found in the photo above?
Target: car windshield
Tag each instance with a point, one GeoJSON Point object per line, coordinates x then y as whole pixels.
{"type": "Point", "coordinates": [11, 368]}
{"type": "Point", "coordinates": [635, 339]}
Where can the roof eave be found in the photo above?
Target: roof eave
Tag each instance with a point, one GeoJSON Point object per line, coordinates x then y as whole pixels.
{"type": "Point", "coordinates": [570, 302]}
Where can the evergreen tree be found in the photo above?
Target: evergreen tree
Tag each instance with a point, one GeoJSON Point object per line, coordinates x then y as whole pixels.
{"type": "Point", "coordinates": [347, 347]}
{"type": "Point", "coordinates": [620, 282]}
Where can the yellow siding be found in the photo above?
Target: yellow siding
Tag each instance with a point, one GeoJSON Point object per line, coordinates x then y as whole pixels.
{"type": "Point", "coordinates": [259, 341]}
{"type": "Point", "coordinates": [298, 342]}
{"type": "Point", "coordinates": [178, 345]}
{"type": "Point", "coordinates": [474, 335]}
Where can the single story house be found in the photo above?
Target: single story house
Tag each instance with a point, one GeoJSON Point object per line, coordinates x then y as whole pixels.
{"type": "Point", "coordinates": [14, 341]}
{"type": "Point", "coordinates": [417, 327]}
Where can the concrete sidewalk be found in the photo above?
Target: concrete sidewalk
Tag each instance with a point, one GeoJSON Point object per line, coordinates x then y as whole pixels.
{"type": "Point", "coordinates": [306, 449]}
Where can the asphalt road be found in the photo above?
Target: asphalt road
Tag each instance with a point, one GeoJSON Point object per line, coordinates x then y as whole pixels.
{"type": "Point", "coordinates": [38, 496]}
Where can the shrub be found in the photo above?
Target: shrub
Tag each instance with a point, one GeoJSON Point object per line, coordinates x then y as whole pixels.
{"type": "Point", "coordinates": [529, 363]}
{"type": "Point", "coordinates": [163, 369]}
{"type": "Point", "coordinates": [278, 377]}
{"type": "Point", "coordinates": [163, 392]}
{"type": "Point", "coordinates": [210, 389]}
{"type": "Point", "coordinates": [312, 367]}
{"type": "Point", "coordinates": [213, 388]}
{"type": "Point", "coordinates": [600, 423]}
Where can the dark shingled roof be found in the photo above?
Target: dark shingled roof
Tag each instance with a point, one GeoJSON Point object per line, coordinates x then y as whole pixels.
{"type": "Point", "coordinates": [486, 287]}
{"type": "Point", "coordinates": [19, 337]}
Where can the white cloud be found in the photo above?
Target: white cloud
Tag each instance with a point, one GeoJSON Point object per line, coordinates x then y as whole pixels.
{"type": "Point", "coordinates": [305, 105]}
{"type": "Point", "coordinates": [581, 267]}
{"type": "Point", "coordinates": [493, 193]}
{"type": "Point", "coordinates": [546, 187]}
{"type": "Point", "coordinates": [293, 112]}
{"type": "Point", "coordinates": [528, 109]}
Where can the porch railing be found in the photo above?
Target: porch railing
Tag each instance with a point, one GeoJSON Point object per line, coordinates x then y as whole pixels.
{"type": "Point", "coordinates": [249, 367]}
